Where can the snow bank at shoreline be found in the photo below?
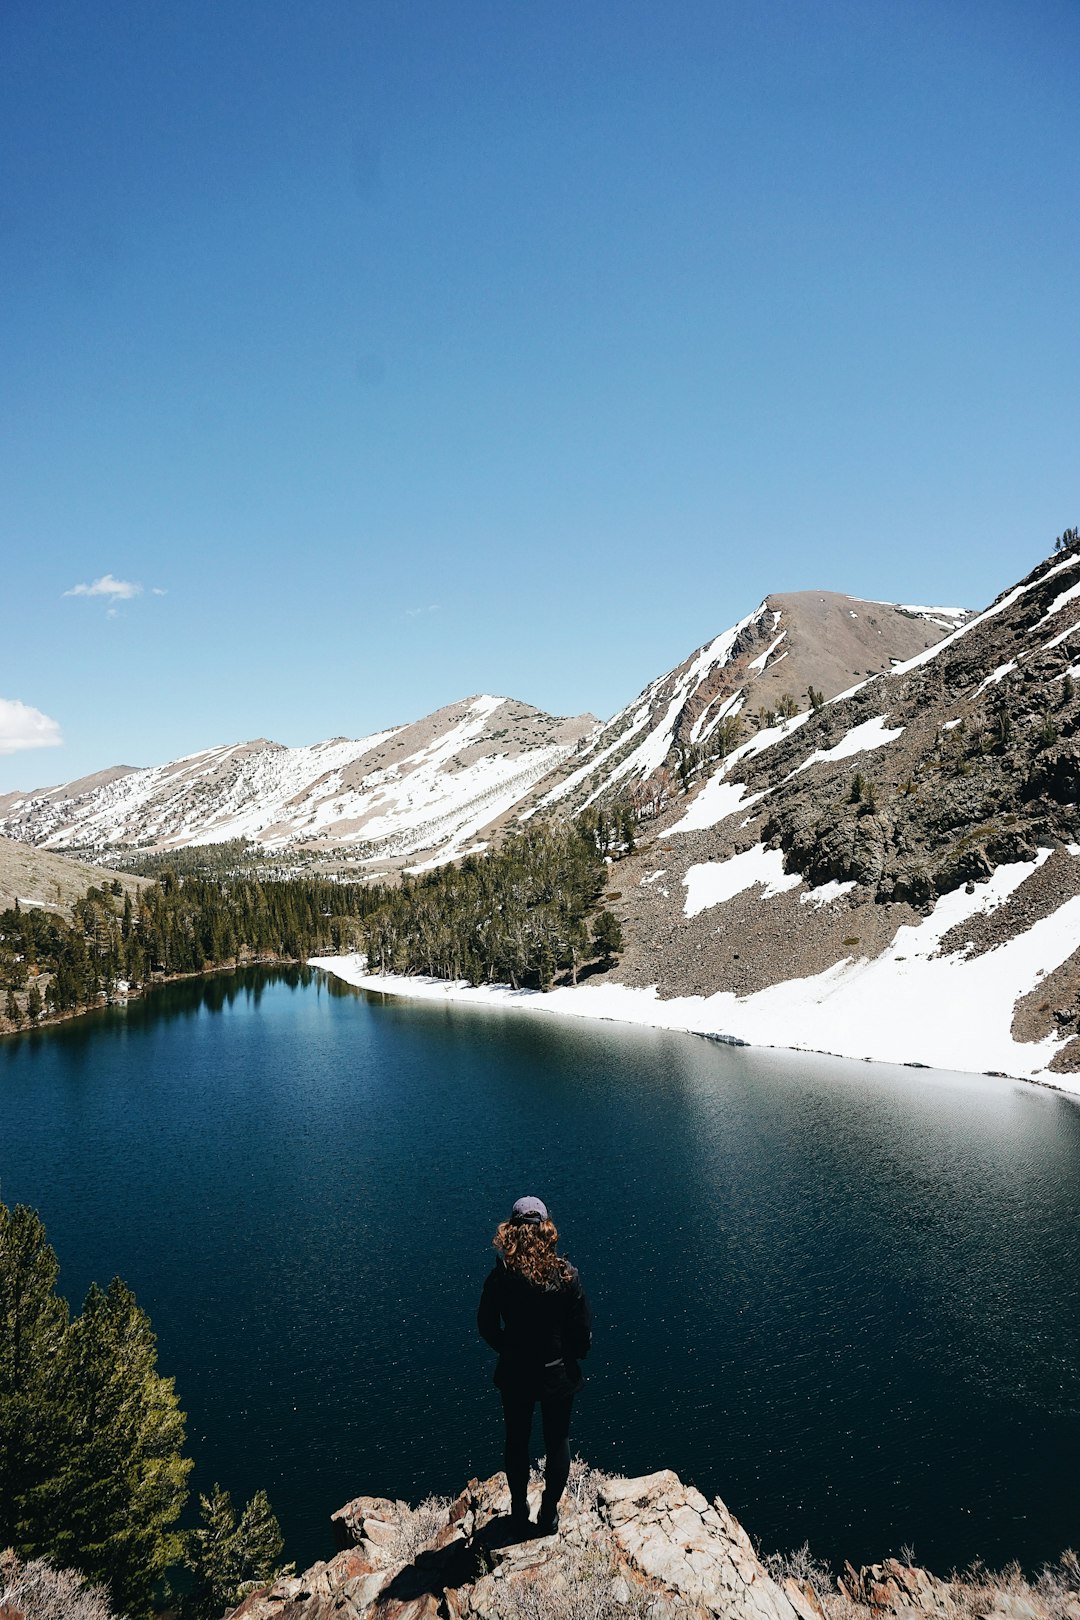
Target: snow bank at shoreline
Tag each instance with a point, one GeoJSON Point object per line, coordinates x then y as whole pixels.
{"type": "Point", "coordinates": [908, 1006]}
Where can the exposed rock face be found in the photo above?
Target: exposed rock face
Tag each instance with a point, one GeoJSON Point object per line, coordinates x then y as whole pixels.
{"type": "Point", "coordinates": [894, 1589]}
{"type": "Point", "coordinates": [866, 811]}
{"type": "Point", "coordinates": [628, 1549]}
{"type": "Point", "coordinates": [791, 641]}
{"type": "Point", "coordinates": [430, 791]}
{"type": "Point", "coordinates": [637, 1547]}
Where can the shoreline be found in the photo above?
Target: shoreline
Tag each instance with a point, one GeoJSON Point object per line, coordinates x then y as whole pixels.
{"type": "Point", "coordinates": [234, 965]}
{"type": "Point", "coordinates": [722, 1018]}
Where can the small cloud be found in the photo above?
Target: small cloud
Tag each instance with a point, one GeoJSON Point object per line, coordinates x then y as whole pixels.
{"type": "Point", "coordinates": [414, 613]}
{"type": "Point", "coordinates": [24, 727]}
{"type": "Point", "coordinates": [156, 590]}
{"type": "Point", "coordinates": [117, 590]}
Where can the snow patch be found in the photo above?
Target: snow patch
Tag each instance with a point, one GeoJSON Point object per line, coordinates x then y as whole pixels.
{"type": "Point", "coordinates": [910, 1005]}
{"type": "Point", "coordinates": [860, 739]}
{"type": "Point", "coordinates": [826, 893]}
{"type": "Point", "coordinates": [717, 800]}
{"type": "Point", "coordinates": [762, 659]}
{"type": "Point", "coordinates": [713, 882]}
{"type": "Point", "coordinates": [1062, 636]}
{"type": "Point", "coordinates": [991, 612]}
{"type": "Point", "coordinates": [942, 612]}
{"type": "Point", "coordinates": [704, 726]}
{"type": "Point", "coordinates": [1057, 604]}
{"type": "Point", "coordinates": [995, 676]}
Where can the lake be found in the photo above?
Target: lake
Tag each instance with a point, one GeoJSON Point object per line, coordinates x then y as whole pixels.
{"type": "Point", "coordinates": [845, 1297]}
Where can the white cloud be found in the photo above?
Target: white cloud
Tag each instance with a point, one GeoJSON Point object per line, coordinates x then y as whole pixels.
{"type": "Point", "coordinates": [24, 727]}
{"type": "Point", "coordinates": [117, 590]}
{"type": "Point", "coordinates": [412, 613]}
{"type": "Point", "coordinates": [156, 590]}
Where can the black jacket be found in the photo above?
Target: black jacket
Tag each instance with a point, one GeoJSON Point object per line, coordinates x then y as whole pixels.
{"type": "Point", "coordinates": [540, 1333]}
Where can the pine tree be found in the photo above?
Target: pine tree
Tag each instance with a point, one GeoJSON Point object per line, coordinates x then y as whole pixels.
{"type": "Point", "coordinates": [607, 937]}
{"type": "Point", "coordinates": [33, 1004]}
{"type": "Point", "coordinates": [228, 1558]}
{"type": "Point", "coordinates": [11, 1008]}
{"type": "Point", "coordinates": [33, 1322]}
{"type": "Point", "coordinates": [120, 1483]}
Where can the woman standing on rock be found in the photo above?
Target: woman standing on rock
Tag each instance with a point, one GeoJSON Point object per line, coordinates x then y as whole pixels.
{"type": "Point", "coordinates": [533, 1311]}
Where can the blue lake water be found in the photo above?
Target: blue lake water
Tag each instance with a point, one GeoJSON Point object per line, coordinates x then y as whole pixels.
{"type": "Point", "coordinates": [845, 1297]}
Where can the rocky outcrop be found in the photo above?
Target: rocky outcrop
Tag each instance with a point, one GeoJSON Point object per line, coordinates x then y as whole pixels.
{"type": "Point", "coordinates": [634, 1547]}
{"type": "Point", "coordinates": [896, 1591]}
{"type": "Point", "coordinates": [628, 1549]}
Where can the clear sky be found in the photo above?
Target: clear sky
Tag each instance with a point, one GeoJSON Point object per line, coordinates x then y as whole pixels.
{"type": "Point", "coordinates": [402, 349]}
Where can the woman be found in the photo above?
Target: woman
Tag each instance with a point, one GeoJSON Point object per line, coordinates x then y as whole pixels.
{"type": "Point", "coordinates": [533, 1311]}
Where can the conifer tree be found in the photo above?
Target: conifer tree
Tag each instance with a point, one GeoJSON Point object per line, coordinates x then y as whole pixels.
{"type": "Point", "coordinates": [33, 1321]}
{"type": "Point", "coordinates": [229, 1558]}
{"type": "Point", "coordinates": [120, 1483]}
{"type": "Point", "coordinates": [607, 937]}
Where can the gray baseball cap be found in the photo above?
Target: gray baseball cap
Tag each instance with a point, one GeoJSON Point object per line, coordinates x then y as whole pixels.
{"type": "Point", "coordinates": [529, 1209]}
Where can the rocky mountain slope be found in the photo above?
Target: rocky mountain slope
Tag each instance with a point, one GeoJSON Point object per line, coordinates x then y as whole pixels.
{"type": "Point", "coordinates": [882, 864]}
{"type": "Point", "coordinates": [425, 793]}
{"type": "Point", "coordinates": [893, 873]}
{"type": "Point", "coordinates": [402, 794]}
{"type": "Point", "coordinates": [788, 644]}
{"type": "Point", "coordinates": [629, 1549]}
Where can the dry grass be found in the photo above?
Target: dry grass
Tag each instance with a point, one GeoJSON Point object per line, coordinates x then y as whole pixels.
{"type": "Point", "coordinates": [40, 1592]}
{"type": "Point", "coordinates": [416, 1527]}
{"type": "Point", "coordinates": [974, 1591]}
{"type": "Point", "coordinates": [1056, 1587]}
{"type": "Point", "coordinates": [582, 1486]}
{"type": "Point", "coordinates": [1059, 1585]}
{"type": "Point", "coordinates": [580, 1585]}
{"type": "Point", "coordinates": [800, 1565]}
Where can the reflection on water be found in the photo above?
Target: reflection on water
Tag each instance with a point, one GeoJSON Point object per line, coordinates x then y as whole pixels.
{"type": "Point", "coordinates": [843, 1296]}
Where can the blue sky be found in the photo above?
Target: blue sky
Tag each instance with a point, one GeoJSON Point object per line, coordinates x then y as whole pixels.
{"type": "Point", "coordinates": [401, 351]}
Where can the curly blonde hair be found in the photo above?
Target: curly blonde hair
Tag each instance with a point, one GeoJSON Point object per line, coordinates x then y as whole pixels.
{"type": "Point", "coordinates": [528, 1247]}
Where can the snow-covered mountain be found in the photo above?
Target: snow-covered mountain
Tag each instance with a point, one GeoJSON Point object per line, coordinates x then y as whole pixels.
{"type": "Point", "coordinates": [893, 873]}
{"type": "Point", "coordinates": [425, 793]}
{"type": "Point", "coordinates": [868, 838]}
{"type": "Point", "coordinates": [426, 789]}
{"type": "Point", "coordinates": [789, 643]}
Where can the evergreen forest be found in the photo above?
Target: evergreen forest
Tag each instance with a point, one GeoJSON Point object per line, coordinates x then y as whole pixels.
{"type": "Point", "coordinates": [523, 915]}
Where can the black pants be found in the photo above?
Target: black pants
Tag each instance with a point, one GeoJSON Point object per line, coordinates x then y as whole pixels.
{"type": "Point", "coordinates": [518, 1412]}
